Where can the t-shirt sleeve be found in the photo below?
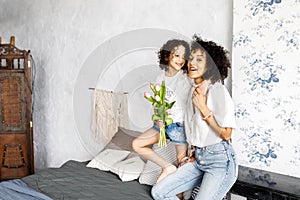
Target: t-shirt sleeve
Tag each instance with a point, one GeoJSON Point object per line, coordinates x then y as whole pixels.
{"type": "Point", "coordinates": [223, 107]}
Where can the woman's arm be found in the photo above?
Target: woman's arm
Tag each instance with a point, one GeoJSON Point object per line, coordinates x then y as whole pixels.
{"type": "Point", "coordinates": [223, 132]}
{"type": "Point", "coordinates": [199, 100]}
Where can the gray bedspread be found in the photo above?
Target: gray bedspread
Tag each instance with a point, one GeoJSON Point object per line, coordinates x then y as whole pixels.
{"type": "Point", "coordinates": [76, 181]}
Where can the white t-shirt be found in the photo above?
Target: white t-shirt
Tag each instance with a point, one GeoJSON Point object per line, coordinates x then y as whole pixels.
{"type": "Point", "coordinates": [219, 101]}
{"type": "Point", "coordinates": [177, 89]}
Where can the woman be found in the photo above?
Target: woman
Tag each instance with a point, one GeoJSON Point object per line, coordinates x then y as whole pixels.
{"type": "Point", "coordinates": [209, 123]}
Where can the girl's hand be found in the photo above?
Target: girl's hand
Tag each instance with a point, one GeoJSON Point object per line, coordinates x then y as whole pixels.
{"type": "Point", "coordinates": [159, 123]}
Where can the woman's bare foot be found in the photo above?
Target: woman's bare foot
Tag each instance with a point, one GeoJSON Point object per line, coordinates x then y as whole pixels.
{"type": "Point", "coordinates": [170, 169]}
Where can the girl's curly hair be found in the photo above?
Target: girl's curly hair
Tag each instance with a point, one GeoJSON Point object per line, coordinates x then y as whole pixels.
{"type": "Point", "coordinates": [217, 59]}
{"type": "Point", "coordinates": [168, 48]}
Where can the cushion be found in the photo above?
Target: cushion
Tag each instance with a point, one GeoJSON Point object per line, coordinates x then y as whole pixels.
{"type": "Point", "coordinates": [151, 170]}
{"type": "Point", "coordinates": [118, 156]}
{"type": "Point", "coordinates": [122, 139]}
{"type": "Point", "coordinates": [107, 158]}
{"type": "Point", "coordinates": [129, 169]}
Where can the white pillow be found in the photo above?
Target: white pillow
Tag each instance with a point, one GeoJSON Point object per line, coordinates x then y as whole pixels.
{"type": "Point", "coordinates": [151, 170]}
{"type": "Point", "coordinates": [107, 158]}
{"type": "Point", "coordinates": [129, 169]}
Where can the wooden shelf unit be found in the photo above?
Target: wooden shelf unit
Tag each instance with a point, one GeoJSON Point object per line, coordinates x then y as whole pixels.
{"type": "Point", "coordinates": [16, 132]}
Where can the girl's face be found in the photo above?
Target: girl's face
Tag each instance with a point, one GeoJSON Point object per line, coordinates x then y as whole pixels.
{"type": "Point", "coordinates": [176, 59]}
{"type": "Point", "coordinates": [197, 64]}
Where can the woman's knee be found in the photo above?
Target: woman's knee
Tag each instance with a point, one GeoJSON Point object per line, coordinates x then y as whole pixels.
{"type": "Point", "coordinates": [156, 193]}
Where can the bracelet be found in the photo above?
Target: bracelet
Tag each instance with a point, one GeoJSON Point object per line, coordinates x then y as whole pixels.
{"type": "Point", "coordinates": [208, 116]}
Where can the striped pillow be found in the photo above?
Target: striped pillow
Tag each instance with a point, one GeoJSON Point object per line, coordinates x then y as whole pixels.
{"type": "Point", "coordinates": [196, 190]}
{"type": "Point", "coordinates": [151, 170]}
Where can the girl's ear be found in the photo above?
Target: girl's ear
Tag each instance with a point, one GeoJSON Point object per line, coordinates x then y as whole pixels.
{"type": "Point", "coordinates": [167, 59]}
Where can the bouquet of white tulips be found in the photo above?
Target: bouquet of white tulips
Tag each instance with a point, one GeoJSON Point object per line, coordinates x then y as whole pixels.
{"type": "Point", "coordinates": [162, 109]}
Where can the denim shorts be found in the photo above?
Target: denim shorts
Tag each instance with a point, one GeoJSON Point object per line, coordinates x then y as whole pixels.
{"type": "Point", "coordinates": [175, 132]}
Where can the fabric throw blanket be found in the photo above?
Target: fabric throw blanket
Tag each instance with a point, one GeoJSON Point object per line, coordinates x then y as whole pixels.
{"type": "Point", "coordinates": [18, 190]}
{"type": "Point", "coordinates": [110, 111]}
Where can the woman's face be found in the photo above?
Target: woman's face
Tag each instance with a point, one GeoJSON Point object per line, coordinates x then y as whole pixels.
{"type": "Point", "coordinates": [176, 59]}
{"type": "Point", "coordinates": [197, 64]}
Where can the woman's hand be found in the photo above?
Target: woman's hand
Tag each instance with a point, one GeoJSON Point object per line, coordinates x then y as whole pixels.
{"type": "Point", "coordinates": [199, 100]}
{"type": "Point", "coordinates": [199, 95]}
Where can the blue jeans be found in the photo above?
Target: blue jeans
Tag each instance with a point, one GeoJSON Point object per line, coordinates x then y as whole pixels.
{"type": "Point", "coordinates": [215, 169]}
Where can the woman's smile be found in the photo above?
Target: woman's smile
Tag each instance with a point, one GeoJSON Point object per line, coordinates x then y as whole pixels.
{"type": "Point", "coordinates": [197, 64]}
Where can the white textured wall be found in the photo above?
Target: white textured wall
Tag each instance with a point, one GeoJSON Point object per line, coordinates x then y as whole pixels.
{"type": "Point", "coordinates": [63, 34]}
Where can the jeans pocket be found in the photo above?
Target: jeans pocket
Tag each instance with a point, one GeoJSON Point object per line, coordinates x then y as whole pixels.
{"type": "Point", "coordinates": [219, 149]}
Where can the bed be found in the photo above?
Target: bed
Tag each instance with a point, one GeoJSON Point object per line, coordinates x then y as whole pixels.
{"type": "Point", "coordinates": [74, 180]}
{"type": "Point", "coordinates": [115, 173]}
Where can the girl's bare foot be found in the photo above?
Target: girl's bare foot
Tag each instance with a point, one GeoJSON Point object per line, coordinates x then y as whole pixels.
{"type": "Point", "coordinates": [170, 169]}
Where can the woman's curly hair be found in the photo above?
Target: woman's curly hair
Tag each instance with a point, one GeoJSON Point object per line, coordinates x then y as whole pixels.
{"type": "Point", "coordinates": [217, 59]}
{"type": "Point", "coordinates": [168, 48]}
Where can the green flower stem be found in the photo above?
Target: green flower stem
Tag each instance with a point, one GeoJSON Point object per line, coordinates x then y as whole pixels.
{"type": "Point", "coordinates": [162, 137]}
{"type": "Point", "coordinates": [160, 108]}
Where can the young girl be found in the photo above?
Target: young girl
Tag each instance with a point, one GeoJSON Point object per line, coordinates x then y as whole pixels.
{"type": "Point", "coordinates": [209, 123]}
{"type": "Point", "coordinates": [172, 59]}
